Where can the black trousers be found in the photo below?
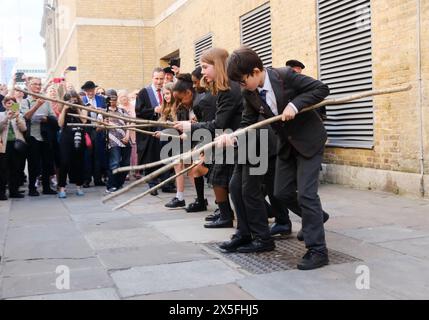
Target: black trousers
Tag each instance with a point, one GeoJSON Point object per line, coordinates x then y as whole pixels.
{"type": "Point", "coordinates": [249, 203]}
{"type": "Point", "coordinates": [72, 160]}
{"type": "Point", "coordinates": [302, 174]}
{"type": "Point", "coordinates": [275, 207]}
{"type": "Point", "coordinates": [96, 158]}
{"type": "Point", "coordinates": [9, 169]}
{"type": "Point", "coordinates": [40, 161]}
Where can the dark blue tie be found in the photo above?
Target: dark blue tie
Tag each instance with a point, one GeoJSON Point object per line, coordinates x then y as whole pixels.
{"type": "Point", "coordinates": [263, 95]}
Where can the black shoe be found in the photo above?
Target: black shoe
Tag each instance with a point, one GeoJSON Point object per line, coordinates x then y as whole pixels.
{"type": "Point", "coordinates": [214, 216]}
{"type": "Point", "coordinates": [3, 197]}
{"type": "Point", "coordinates": [50, 192]}
{"type": "Point", "coordinates": [86, 185]}
{"type": "Point", "coordinates": [258, 245]}
{"type": "Point", "coordinates": [235, 242]}
{"type": "Point", "coordinates": [300, 235]}
{"type": "Point", "coordinates": [21, 191]}
{"type": "Point", "coordinates": [176, 203]}
{"type": "Point", "coordinates": [313, 260]}
{"type": "Point", "coordinates": [197, 206]}
{"type": "Point", "coordinates": [16, 196]}
{"type": "Point", "coordinates": [169, 190]}
{"type": "Point", "coordinates": [33, 193]}
{"type": "Point", "coordinates": [154, 193]}
{"type": "Point", "coordinates": [278, 229]}
{"type": "Point", "coordinates": [219, 224]}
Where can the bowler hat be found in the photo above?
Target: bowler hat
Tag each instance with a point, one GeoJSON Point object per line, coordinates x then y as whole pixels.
{"type": "Point", "coordinates": [89, 85]}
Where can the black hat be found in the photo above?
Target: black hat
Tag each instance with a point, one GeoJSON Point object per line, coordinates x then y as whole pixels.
{"type": "Point", "coordinates": [169, 70]}
{"type": "Point", "coordinates": [295, 63]}
{"type": "Point", "coordinates": [89, 85]}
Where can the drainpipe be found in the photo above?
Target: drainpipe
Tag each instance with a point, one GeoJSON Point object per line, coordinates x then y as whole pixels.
{"type": "Point", "coordinates": [420, 99]}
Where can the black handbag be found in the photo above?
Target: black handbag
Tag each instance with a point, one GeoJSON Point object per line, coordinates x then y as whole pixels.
{"type": "Point", "coordinates": [20, 146]}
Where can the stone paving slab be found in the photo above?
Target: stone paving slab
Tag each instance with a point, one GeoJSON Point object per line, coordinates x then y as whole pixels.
{"type": "Point", "coordinates": [70, 247]}
{"type": "Point", "coordinates": [29, 267]}
{"type": "Point", "coordinates": [418, 248]}
{"type": "Point", "coordinates": [215, 293]}
{"type": "Point", "coordinates": [130, 238]}
{"type": "Point", "coordinates": [45, 283]}
{"type": "Point", "coordinates": [151, 255]}
{"type": "Point", "coordinates": [98, 294]}
{"type": "Point", "coordinates": [383, 233]}
{"type": "Point", "coordinates": [192, 230]}
{"type": "Point", "coordinates": [173, 277]}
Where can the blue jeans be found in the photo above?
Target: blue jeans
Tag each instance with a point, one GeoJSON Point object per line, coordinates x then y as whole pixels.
{"type": "Point", "coordinates": [118, 158]}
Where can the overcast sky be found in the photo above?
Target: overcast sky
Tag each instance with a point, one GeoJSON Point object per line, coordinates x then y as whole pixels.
{"type": "Point", "coordinates": [24, 15]}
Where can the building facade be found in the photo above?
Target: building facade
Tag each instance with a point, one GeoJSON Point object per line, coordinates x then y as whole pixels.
{"type": "Point", "coordinates": [379, 143]}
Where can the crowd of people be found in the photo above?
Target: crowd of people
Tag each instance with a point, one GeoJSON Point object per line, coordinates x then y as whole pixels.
{"type": "Point", "coordinates": [69, 145]}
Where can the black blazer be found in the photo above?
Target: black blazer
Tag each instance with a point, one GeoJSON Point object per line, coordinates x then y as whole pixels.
{"type": "Point", "coordinates": [229, 108]}
{"type": "Point", "coordinates": [306, 133]}
{"type": "Point", "coordinates": [205, 107]}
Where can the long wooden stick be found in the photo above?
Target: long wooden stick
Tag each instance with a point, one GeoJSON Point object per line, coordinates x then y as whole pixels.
{"type": "Point", "coordinates": [256, 126]}
{"type": "Point", "coordinates": [102, 125]}
{"type": "Point", "coordinates": [186, 170]}
{"type": "Point", "coordinates": [279, 118]}
{"type": "Point", "coordinates": [145, 179]}
{"type": "Point", "coordinates": [99, 111]}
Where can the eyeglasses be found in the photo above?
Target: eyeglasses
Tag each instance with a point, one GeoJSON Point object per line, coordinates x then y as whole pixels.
{"type": "Point", "coordinates": [36, 84]}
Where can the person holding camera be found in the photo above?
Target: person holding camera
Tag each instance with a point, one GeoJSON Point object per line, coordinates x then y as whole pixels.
{"type": "Point", "coordinates": [72, 146]}
{"type": "Point", "coordinates": [12, 145]}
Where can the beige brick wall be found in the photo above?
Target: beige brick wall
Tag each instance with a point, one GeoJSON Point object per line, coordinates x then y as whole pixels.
{"type": "Point", "coordinates": [129, 62]}
{"type": "Point", "coordinates": [111, 56]}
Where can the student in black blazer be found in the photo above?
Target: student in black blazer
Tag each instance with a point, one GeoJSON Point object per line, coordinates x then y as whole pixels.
{"type": "Point", "coordinates": [301, 137]}
{"type": "Point", "coordinates": [229, 107]}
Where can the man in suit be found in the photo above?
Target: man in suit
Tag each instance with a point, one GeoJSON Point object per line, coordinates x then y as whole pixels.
{"type": "Point", "coordinates": [148, 107]}
{"type": "Point", "coordinates": [96, 159]}
{"type": "Point", "coordinates": [301, 140]}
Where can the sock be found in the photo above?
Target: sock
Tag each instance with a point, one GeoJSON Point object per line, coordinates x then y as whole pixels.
{"type": "Point", "coordinates": [180, 196]}
{"type": "Point", "coordinates": [199, 186]}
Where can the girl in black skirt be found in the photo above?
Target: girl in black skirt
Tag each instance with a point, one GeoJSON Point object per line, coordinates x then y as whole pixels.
{"type": "Point", "coordinates": [229, 107]}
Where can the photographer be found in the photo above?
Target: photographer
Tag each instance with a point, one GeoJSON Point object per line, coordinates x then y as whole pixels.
{"type": "Point", "coordinates": [12, 145]}
{"type": "Point", "coordinates": [72, 146]}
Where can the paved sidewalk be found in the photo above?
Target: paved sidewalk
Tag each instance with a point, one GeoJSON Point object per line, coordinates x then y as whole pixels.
{"type": "Point", "coordinates": [148, 252]}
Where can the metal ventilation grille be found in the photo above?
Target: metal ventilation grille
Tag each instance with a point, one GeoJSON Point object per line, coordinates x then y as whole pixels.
{"type": "Point", "coordinates": [345, 63]}
{"type": "Point", "coordinates": [201, 46]}
{"type": "Point", "coordinates": [256, 32]}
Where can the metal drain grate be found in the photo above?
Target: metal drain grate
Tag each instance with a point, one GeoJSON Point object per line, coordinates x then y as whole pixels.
{"type": "Point", "coordinates": [286, 257]}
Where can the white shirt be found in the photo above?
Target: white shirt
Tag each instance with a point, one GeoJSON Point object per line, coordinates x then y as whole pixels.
{"type": "Point", "coordinates": [271, 97]}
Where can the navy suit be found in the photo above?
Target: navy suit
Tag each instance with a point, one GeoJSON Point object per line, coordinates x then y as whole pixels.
{"type": "Point", "coordinates": [96, 160]}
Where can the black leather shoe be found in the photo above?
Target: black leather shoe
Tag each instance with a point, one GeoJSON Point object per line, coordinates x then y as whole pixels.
{"type": "Point", "coordinates": [300, 235]}
{"type": "Point", "coordinates": [175, 203]}
{"type": "Point", "coordinates": [235, 242]}
{"type": "Point", "coordinates": [16, 196]}
{"type": "Point", "coordinates": [313, 260]}
{"type": "Point", "coordinates": [278, 229]}
{"type": "Point", "coordinates": [49, 192]}
{"type": "Point", "coordinates": [197, 206]}
{"type": "Point", "coordinates": [154, 193]}
{"type": "Point", "coordinates": [214, 216]}
{"type": "Point", "coordinates": [219, 224]}
{"type": "Point", "coordinates": [33, 193]}
{"type": "Point", "coordinates": [258, 245]}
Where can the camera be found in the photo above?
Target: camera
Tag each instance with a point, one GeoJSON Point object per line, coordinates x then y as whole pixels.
{"type": "Point", "coordinates": [77, 138]}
